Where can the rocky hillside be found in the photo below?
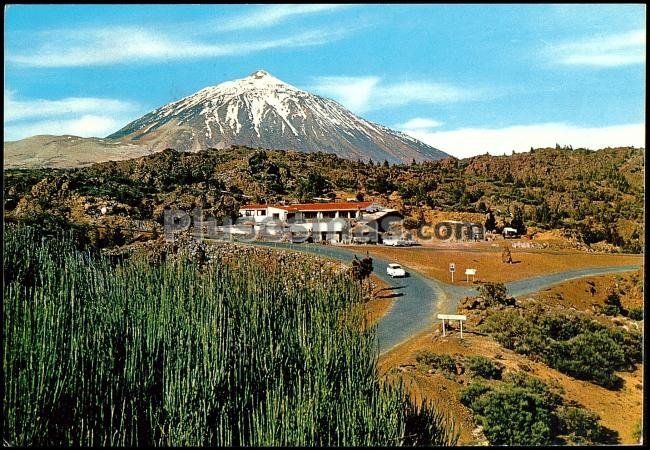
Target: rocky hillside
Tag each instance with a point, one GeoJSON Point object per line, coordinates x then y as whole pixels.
{"type": "Point", "coordinates": [592, 197]}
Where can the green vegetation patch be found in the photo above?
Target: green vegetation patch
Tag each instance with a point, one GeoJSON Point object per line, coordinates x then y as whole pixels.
{"type": "Point", "coordinates": [133, 353]}
{"type": "Point", "coordinates": [571, 343]}
{"type": "Point", "coordinates": [523, 410]}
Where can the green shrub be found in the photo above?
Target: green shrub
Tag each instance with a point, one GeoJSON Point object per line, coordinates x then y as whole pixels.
{"type": "Point", "coordinates": [523, 410]}
{"type": "Point", "coordinates": [484, 367]}
{"type": "Point", "coordinates": [579, 425]}
{"type": "Point", "coordinates": [589, 356]}
{"type": "Point", "coordinates": [613, 305]}
{"type": "Point", "coordinates": [512, 415]}
{"type": "Point", "coordinates": [636, 314]}
{"type": "Point", "coordinates": [493, 292]}
{"type": "Point", "coordinates": [441, 362]}
{"type": "Point", "coordinates": [610, 310]}
{"type": "Point", "coordinates": [570, 343]}
{"type": "Point", "coordinates": [473, 392]}
{"type": "Point", "coordinates": [535, 385]}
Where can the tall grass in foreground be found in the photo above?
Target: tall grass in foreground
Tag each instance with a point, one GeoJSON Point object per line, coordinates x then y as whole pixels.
{"type": "Point", "coordinates": [134, 354]}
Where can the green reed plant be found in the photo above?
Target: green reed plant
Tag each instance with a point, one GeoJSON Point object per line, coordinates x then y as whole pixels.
{"type": "Point", "coordinates": [129, 353]}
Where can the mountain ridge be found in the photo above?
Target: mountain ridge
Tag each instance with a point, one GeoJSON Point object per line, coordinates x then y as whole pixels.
{"type": "Point", "coordinates": [263, 111]}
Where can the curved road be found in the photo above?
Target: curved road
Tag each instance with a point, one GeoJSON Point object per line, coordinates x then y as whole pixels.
{"type": "Point", "coordinates": [423, 298]}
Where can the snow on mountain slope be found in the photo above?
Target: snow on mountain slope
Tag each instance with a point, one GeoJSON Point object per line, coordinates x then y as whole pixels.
{"type": "Point", "coordinates": [263, 111]}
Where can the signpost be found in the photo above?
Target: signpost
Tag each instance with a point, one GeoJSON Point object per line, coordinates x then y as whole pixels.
{"type": "Point", "coordinates": [452, 269]}
{"type": "Point", "coordinates": [469, 272]}
{"type": "Point", "coordinates": [457, 317]}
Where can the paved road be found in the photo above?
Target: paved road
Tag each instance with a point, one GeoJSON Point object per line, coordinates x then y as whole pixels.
{"type": "Point", "coordinates": [423, 298]}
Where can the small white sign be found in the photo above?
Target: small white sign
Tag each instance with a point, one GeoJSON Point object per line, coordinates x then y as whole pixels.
{"type": "Point", "coordinates": [452, 317]}
{"type": "Point", "coordinates": [470, 271]}
{"type": "Point", "coordinates": [452, 267]}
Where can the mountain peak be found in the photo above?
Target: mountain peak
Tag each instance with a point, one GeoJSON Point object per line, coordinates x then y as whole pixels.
{"type": "Point", "coordinates": [263, 111]}
{"type": "Point", "coordinates": [259, 74]}
{"type": "Point", "coordinates": [256, 81]}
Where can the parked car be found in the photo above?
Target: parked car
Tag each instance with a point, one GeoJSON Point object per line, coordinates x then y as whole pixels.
{"type": "Point", "coordinates": [395, 270]}
{"type": "Point", "coordinates": [393, 242]}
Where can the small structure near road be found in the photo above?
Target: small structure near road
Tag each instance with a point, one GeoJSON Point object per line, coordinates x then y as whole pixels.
{"type": "Point", "coordinates": [460, 318]}
{"type": "Point", "coordinates": [509, 232]}
{"type": "Point", "coordinates": [469, 272]}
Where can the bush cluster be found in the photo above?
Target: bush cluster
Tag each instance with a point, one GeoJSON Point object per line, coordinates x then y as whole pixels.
{"type": "Point", "coordinates": [573, 344]}
{"type": "Point", "coordinates": [484, 367]}
{"type": "Point", "coordinates": [440, 362]}
{"type": "Point", "coordinates": [523, 410]}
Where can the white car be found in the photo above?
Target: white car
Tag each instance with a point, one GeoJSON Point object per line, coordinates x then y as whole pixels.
{"type": "Point", "coordinates": [395, 270]}
{"type": "Point", "coordinates": [393, 242]}
{"type": "Point", "coordinates": [398, 242]}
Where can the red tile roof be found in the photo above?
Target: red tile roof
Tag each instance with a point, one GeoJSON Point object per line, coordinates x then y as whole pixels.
{"type": "Point", "coordinates": [254, 206]}
{"type": "Point", "coordinates": [333, 206]}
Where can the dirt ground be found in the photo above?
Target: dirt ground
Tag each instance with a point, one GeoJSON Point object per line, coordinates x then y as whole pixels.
{"type": "Point", "coordinates": [434, 262]}
{"type": "Point", "coordinates": [586, 293]}
{"type": "Point", "coordinates": [619, 411]}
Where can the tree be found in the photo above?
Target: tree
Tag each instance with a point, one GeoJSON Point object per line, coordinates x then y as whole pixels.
{"type": "Point", "coordinates": [517, 221]}
{"type": "Point", "coordinates": [506, 256]}
{"type": "Point", "coordinates": [494, 293]}
{"type": "Point", "coordinates": [543, 214]}
{"type": "Point", "coordinates": [490, 221]}
{"type": "Point", "coordinates": [315, 185]}
{"type": "Point", "coordinates": [361, 268]}
{"type": "Point", "coordinates": [613, 305]}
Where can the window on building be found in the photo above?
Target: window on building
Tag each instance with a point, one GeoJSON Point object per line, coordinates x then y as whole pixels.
{"type": "Point", "coordinates": [261, 212]}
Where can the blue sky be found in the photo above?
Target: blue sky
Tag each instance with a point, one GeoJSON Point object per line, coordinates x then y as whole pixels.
{"type": "Point", "coordinates": [467, 79]}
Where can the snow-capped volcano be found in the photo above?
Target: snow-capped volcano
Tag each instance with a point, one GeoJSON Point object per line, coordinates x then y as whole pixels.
{"type": "Point", "coordinates": [263, 111]}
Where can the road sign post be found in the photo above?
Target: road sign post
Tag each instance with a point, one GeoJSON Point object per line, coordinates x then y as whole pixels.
{"type": "Point", "coordinates": [452, 269]}
{"type": "Point", "coordinates": [457, 317]}
{"type": "Point", "coordinates": [469, 272]}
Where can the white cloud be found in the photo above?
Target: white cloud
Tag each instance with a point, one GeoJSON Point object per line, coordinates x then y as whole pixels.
{"type": "Point", "coordinates": [15, 109]}
{"type": "Point", "coordinates": [601, 51]}
{"type": "Point", "coordinates": [419, 123]}
{"type": "Point", "coordinates": [116, 45]}
{"type": "Point", "coordinates": [274, 14]}
{"type": "Point", "coordinates": [352, 92]}
{"type": "Point", "coordinates": [80, 116]}
{"type": "Point", "coordinates": [88, 125]}
{"type": "Point", "coordinates": [466, 142]}
{"type": "Point", "coordinates": [361, 94]}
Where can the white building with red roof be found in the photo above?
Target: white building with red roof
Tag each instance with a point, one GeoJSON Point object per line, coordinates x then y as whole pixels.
{"type": "Point", "coordinates": [332, 222]}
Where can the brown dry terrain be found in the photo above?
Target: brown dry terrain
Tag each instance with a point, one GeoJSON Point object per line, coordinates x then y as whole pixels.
{"type": "Point", "coordinates": [619, 410]}
{"type": "Point", "coordinates": [434, 262]}
{"type": "Point", "coordinates": [67, 151]}
{"type": "Point", "coordinates": [578, 293]}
